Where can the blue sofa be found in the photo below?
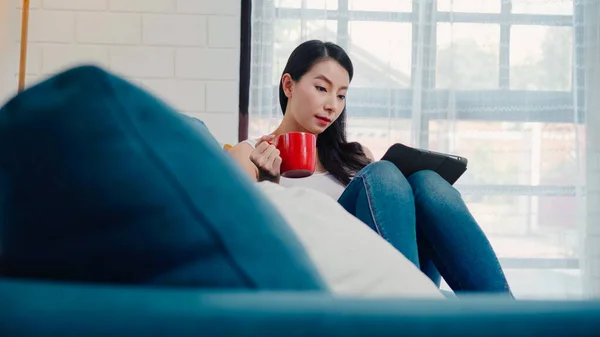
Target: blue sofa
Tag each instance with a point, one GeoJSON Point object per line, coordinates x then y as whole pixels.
{"type": "Point", "coordinates": [116, 221]}
{"type": "Point", "coordinates": [63, 310]}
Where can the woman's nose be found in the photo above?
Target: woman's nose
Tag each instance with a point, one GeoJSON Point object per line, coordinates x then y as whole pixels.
{"type": "Point", "coordinates": [331, 104]}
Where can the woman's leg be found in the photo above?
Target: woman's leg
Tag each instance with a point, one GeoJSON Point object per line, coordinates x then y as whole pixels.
{"type": "Point", "coordinates": [427, 265]}
{"type": "Point", "coordinates": [381, 197]}
{"type": "Point", "coordinates": [451, 237]}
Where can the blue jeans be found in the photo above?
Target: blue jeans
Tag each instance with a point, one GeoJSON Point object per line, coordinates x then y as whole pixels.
{"type": "Point", "coordinates": [426, 219]}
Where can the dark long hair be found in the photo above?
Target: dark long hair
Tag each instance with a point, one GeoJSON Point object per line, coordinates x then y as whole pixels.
{"type": "Point", "coordinates": [339, 157]}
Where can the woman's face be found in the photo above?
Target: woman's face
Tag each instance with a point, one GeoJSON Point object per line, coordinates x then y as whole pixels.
{"type": "Point", "coordinates": [319, 97]}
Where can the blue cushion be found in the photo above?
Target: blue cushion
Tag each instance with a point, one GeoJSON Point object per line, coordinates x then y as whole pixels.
{"type": "Point", "coordinates": [104, 183]}
{"type": "Point", "coordinates": [200, 127]}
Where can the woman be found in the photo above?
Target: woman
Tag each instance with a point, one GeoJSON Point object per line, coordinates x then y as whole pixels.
{"type": "Point", "coordinates": [422, 216]}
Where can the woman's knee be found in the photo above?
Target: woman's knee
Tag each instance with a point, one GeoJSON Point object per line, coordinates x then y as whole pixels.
{"type": "Point", "coordinates": [385, 175]}
{"type": "Point", "coordinates": [430, 186]}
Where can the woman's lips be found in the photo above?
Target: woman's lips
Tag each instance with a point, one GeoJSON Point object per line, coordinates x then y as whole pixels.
{"type": "Point", "coordinates": [323, 120]}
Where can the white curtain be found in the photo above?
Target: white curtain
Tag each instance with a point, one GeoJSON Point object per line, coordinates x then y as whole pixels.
{"type": "Point", "coordinates": [513, 85]}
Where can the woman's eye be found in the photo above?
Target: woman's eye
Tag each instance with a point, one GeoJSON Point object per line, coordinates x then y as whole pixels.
{"type": "Point", "coordinates": [342, 97]}
{"type": "Point", "coordinates": [320, 88]}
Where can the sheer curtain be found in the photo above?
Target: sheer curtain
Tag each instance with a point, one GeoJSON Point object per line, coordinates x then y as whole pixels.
{"type": "Point", "coordinates": [510, 84]}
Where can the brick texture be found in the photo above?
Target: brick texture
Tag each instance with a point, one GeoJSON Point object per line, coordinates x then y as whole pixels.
{"type": "Point", "coordinates": [184, 51]}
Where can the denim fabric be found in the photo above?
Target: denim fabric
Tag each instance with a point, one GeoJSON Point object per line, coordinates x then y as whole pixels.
{"type": "Point", "coordinates": [426, 219]}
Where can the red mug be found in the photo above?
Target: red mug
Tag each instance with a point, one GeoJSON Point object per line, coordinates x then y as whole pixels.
{"type": "Point", "coordinates": [298, 152]}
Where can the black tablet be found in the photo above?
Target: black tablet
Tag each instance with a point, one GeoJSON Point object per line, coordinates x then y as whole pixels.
{"type": "Point", "coordinates": [410, 160]}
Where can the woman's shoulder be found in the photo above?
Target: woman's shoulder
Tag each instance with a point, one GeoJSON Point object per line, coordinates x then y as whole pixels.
{"type": "Point", "coordinates": [367, 152]}
{"type": "Point", "coordinates": [243, 148]}
{"type": "Point", "coordinates": [241, 154]}
{"type": "Point", "coordinates": [252, 142]}
{"type": "Point", "coordinates": [245, 144]}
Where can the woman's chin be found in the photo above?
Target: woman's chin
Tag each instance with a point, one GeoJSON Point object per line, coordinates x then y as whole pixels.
{"type": "Point", "coordinates": [317, 132]}
{"type": "Point", "coordinates": [317, 129]}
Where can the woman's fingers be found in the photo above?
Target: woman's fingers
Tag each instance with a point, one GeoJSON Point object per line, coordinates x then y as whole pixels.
{"type": "Point", "coordinates": [272, 156]}
{"type": "Point", "coordinates": [262, 147]}
{"type": "Point", "coordinates": [266, 156]}
{"type": "Point", "coordinates": [267, 153]}
{"type": "Point", "coordinates": [261, 155]}
{"type": "Point", "coordinates": [277, 163]}
{"type": "Point", "coordinates": [267, 139]}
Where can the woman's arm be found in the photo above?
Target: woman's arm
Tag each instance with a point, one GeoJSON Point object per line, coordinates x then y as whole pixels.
{"type": "Point", "coordinates": [241, 154]}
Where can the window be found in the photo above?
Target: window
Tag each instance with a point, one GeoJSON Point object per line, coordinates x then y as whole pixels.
{"type": "Point", "coordinates": [511, 111]}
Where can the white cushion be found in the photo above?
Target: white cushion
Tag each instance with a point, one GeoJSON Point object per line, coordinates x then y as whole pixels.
{"type": "Point", "coordinates": [351, 258]}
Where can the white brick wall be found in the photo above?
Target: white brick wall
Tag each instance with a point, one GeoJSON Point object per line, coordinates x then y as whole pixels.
{"type": "Point", "coordinates": [184, 51]}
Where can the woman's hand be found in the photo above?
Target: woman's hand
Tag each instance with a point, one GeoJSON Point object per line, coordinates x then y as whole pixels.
{"type": "Point", "coordinates": [266, 158]}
